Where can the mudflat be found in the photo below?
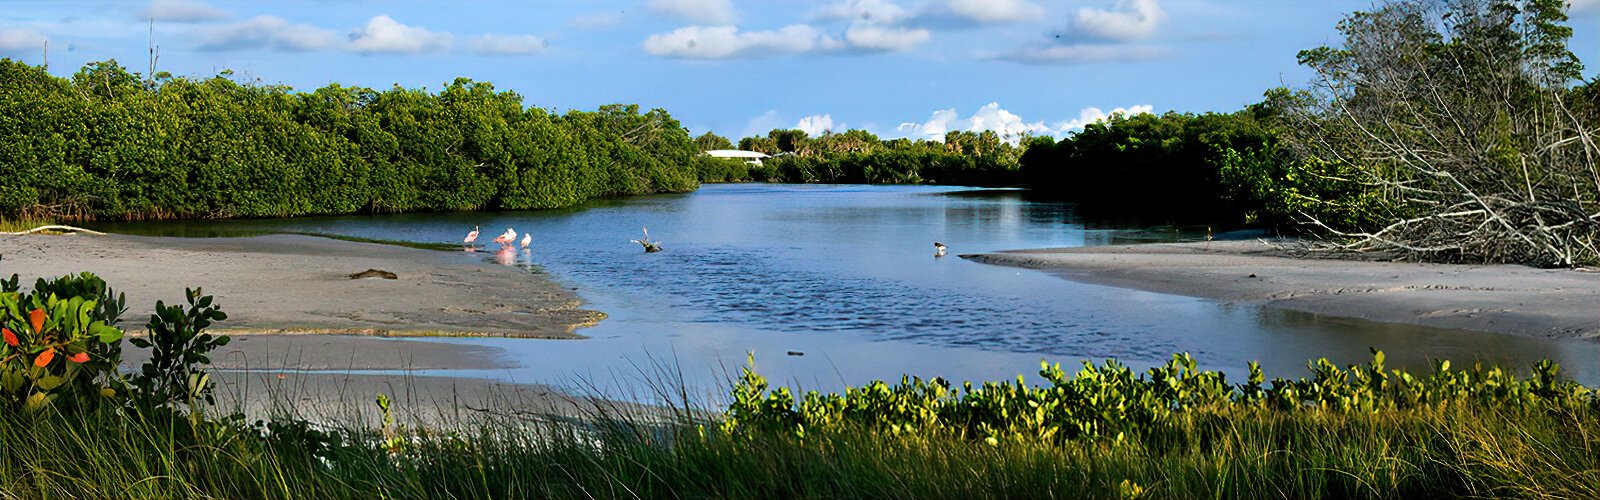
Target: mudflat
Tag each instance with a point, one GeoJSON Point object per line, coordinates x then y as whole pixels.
{"type": "Point", "coordinates": [302, 284]}
{"type": "Point", "coordinates": [1506, 299]}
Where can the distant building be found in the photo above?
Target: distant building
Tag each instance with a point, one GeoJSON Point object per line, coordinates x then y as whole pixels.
{"type": "Point", "coordinates": [751, 157]}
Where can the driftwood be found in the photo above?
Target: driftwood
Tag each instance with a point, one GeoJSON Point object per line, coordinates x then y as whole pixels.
{"type": "Point", "coordinates": [375, 273]}
{"type": "Point", "coordinates": [55, 227]}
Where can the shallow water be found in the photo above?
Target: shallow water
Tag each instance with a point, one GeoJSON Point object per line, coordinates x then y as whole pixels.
{"type": "Point", "coordinates": [847, 276]}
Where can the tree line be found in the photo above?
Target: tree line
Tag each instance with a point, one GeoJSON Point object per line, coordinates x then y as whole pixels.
{"type": "Point", "coordinates": [110, 144]}
{"type": "Point", "coordinates": [861, 157]}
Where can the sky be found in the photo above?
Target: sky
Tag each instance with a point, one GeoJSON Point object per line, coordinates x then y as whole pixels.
{"type": "Point", "coordinates": [897, 68]}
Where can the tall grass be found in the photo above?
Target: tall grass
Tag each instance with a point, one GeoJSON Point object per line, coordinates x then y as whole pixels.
{"type": "Point", "coordinates": [17, 225]}
{"type": "Point", "coordinates": [1450, 450]}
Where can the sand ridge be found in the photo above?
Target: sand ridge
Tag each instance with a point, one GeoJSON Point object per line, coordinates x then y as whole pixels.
{"type": "Point", "coordinates": [1507, 299]}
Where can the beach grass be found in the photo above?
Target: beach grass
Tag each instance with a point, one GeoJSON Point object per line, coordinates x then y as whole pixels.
{"type": "Point", "coordinates": [17, 225]}
{"type": "Point", "coordinates": [680, 450]}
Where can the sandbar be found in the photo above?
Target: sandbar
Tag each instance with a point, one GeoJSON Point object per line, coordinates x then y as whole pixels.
{"type": "Point", "coordinates": [1504, 299]}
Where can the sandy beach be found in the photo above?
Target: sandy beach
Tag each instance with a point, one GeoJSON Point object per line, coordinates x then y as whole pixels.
{"type": "Point", "coordinates": [301, 284]}
{"type": "Point", "coordinates": [277, 290]}
{"type": "Point", "coordinates": [1505, 299]}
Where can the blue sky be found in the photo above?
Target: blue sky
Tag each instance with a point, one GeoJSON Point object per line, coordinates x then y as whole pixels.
{"type": "Point", "coordinates": [895, 67]}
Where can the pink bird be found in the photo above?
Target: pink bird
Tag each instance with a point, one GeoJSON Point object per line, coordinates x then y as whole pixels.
{"type": "Point", "coordinates": [508, 238]}
{"type": "Point", "coordinates": [471, 237]}
{"type": "Point", "coordinates": [527, 239]}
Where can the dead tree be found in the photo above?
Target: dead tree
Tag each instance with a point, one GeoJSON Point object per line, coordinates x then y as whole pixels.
{"type": "Point", "coordinates": [1457, 112]}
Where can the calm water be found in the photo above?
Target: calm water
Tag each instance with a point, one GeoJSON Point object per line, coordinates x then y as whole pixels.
{"type": "Point", "coordinates": [846, 275]}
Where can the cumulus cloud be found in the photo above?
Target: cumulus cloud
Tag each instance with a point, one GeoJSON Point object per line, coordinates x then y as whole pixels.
{"type": "Point", "coordinates": [715, 12]}
{"type": "Point", "coordinates": [1094, 115]}
{"type": "Point", "coordinates": [1084, 53]}
{"type": "Point", "coordinates": [870, 37]}
{"type": "Point", "coordinates": [509, 45]}
{"type": "Point", "coordinates": [996, 11]}
{"type": "Point", "coordinates": [863, 11]}
{"type": "Point", "coordinates": [1129, 20]}
{"type": "Point", "coordinates": [815, 125]}
{"type": "Point", "coordinates": [1010, 126]}
{"type": "Point", "coordinates": [724, 42]}
{"type": "Point", "coordinates": [383, 34]}
{"type": "Point", "coordinates": [182, 11]}
{"type": "Point", "coordinates": [267, 32]}
{"type": "Point", "coordinates": [20, 40]}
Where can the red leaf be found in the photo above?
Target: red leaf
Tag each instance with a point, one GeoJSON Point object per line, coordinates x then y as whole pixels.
{"type": "Point", "coordinates": [82, 357]}
{"type": "Point", "coordinates": [11, 338]}
{"type": "Point", "coordinates": [45, 357]}
{"type": "Point", "coordinates": [36, 317]}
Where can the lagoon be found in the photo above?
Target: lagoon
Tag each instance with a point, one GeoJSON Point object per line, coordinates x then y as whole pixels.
{"type": "Point", "coordinates": [845, 278]}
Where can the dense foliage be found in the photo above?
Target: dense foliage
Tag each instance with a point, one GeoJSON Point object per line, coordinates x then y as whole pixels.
{"type": "Point", "coordinates": [106, 144]}
{"type": "Point", "coordinates": [1173, 432]}
{"type": "Point", "coordinates": [859, 157]}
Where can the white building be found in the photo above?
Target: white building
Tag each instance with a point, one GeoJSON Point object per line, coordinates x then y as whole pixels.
{"type": "Point", "coordinates": [751, 157]}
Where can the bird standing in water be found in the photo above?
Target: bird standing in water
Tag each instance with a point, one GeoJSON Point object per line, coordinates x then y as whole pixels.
{"type": "Point", "coordinates": [471, 237]}
{"type": "Point", "coordinates": [508, 238]}
{"type": "Point", "coordinates": [939, 249]}
{"type": "Point", "coordinates": [527, 239]}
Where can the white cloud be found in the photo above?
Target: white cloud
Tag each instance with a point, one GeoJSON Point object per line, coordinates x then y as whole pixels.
{"type": "Point", "coordinates": [996, 11]}
{"type": "Point", "coordinates": [723, 42]}
{"type": "Point", "coordinates": [1010, 126]}
{"type": "Point", "coordinates": [870, 37]}
{"type": "Point", "coordinates": [1130, 20]}
{"type": "Point", "coordinates": [716, 12]}
{"type": "Point", "coordinates": [1084, 53]}
{"type": "Point", "coordinates": [597, 20]}
{"type": "Point", "coordinates": [509, 45]}
{"type": "Point", "coordinates": [862, 11]}
{"type": "Point", "coordinates": [1584, 6]}
{"type": "Point", "coordinates": [267, 32]}
{"type": "Point", "coordinates": [383, 34]}
{"type": "Point", "coordinates": [815, 125]}
{"type": "Point", "coordinates": [1093, 115]}
{"type": "Point", "coordinates": [182, 11]}
{"type": "Point", "coordinates": [21, 40]}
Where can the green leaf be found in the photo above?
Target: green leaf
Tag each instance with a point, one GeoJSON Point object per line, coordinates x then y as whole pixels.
{"type": "Point", "coordinates": [108, 334]}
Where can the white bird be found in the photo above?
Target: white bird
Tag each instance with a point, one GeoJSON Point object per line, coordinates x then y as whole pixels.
{"type": "Point", "coordinates": [508, 238]}
{"type": "Point", "coordinates": [527, 239]}
{"type": "Point", "coordinates": [471, 237]}
{"type": "Point", "coordinates": [938, 249]}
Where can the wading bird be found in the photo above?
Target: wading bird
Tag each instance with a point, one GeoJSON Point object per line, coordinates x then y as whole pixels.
{"type": "Point", "coordinates": [508, 238]}
{"type": "Point", "coordinates": [649, 246]}
{"type": "Point", "coordinates": [938, 249]}
{"type": "Point", "coordinates": [471, 237]}
{"type": "Point", "coordinates": [527, 239]}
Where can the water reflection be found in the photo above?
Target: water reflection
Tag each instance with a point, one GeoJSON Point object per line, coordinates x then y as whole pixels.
{"type": "Point", "coordinates": [843, 274]}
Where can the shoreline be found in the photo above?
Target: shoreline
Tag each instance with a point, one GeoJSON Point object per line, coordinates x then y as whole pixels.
{"type": "Point", "coordinates": [297, 284]}
{"type": "Point", "coordinates": [1502, 298]}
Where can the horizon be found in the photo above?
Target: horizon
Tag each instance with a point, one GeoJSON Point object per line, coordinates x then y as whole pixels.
{"type": "Point", "coordinates": [894, 68]}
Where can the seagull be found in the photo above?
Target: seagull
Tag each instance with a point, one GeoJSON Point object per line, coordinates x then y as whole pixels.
{"type": "Point", "coordinates": [471, 237]}
{"type": "Point", "coordinates": [938, 249]}
{"type": "Point", "coordinates": [527, 239]}
{"type": "Point", "coordinates": [507, 238]}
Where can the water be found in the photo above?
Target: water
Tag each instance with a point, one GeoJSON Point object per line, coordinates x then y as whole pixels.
{"type": "Point", "coordinates": [846, 275]}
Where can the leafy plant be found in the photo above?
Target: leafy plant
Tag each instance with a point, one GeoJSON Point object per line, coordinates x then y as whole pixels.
{"type": "Point", "coordinates": [179, 350]}
{"type": "Point", "coordinates": [60, 339]}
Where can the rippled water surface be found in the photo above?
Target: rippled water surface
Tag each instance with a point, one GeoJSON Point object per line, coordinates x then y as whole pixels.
{"type": "Point", "coordinates": [847, 276]}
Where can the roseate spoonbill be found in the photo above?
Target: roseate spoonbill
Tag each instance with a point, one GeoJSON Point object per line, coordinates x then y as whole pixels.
{"type": "Point", "coordinates": [939, 249]}
{"type": "Point", "coordinates": [471, 237]}
{"type": "Point", "coordinates": [527, 239]}
{"type": "Point", "coordinates": [506, 239]}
